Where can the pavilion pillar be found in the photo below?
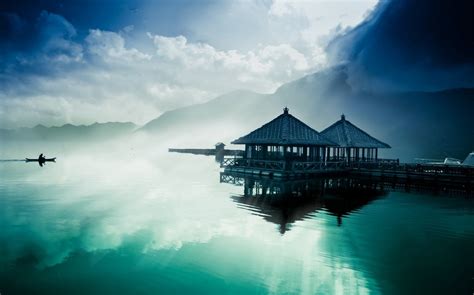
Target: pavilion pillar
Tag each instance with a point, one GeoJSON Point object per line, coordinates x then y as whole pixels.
{"type": "Point", "coordinates": [376, 154]}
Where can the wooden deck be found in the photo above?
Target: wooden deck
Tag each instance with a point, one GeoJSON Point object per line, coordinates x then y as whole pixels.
{"type": "Point", "coordinates": [360, 181]}
{"type": "Point", "coordinates": [418, 173]}
{"type": "Point", "coordinates": [206, 152]}
{"type": "Point", "coordinates": [382, 169]}
{"type": "Point", "coordinates": [282, 168]}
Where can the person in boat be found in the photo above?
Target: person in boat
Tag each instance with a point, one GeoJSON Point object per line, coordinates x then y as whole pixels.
{"type": "Point", "coordinates": [41, 158]}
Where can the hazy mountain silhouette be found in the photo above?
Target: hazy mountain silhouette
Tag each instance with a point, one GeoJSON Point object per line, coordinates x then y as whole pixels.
{"type": "Point", "coordinates": [69, 132]}
{"type": "Point", "coordinates": [415, 124]}
{"type": "Point", "coordinates": [404, 74]}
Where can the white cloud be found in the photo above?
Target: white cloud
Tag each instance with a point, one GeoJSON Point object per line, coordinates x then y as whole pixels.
{"type": "Point", "coordinates": [115, 76]}
{"type": "Point", "coordinates": [121, 83]}
{"type": "Point", "coordinates": [110, 45]}
{"type": "Point", "coordinates": [261, 70]}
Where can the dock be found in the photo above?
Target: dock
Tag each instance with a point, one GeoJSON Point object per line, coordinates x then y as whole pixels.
{"type": "Point", "coordinates": [206, 152]}
{"type": "Point", "coordinates": [219, 151]}
{"type": "Point", "coordinates": [287, 148]}
{"type": "Point", "coordinates": [382, 170]}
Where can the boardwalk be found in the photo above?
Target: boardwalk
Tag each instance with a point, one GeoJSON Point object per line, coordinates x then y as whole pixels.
{"type": "Point", "coordinates": [382, 169]}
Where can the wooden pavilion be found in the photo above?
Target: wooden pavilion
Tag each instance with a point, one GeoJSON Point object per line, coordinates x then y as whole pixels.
{"type": "Point", "coordinates": [285, 138]}
{"type": "Point", "coordinates": [354, 144]}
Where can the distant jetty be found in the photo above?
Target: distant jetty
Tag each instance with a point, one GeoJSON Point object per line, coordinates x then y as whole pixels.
{"type": "Point", "coordinates": [219, 151]}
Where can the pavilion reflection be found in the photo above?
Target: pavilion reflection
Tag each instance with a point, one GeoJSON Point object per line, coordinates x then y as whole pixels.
{"type": "Point", "coordinates": [284, 202]}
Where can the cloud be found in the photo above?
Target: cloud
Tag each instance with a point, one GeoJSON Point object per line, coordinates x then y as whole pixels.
{"type": "Point", "coordinates": [112, 81]}
{"type": "Point", "coordinates": [48, 39]}
{"type": "Point", "coordinates": [54, 73]}
{"type": "Point", "coordinates": [410, 45]}
{"type": "Point", "coordinates": [261, 70]}
{"type": "Point", "coordinates": [111, 46]}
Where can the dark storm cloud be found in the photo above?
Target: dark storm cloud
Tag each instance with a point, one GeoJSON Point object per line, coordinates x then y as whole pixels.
{"type": "Point", "coordinates": [407, 44]}
{"type": "Point", "coordinates": [35, 32]}
{"type": "Point", "coordinates": [47, 37]}
{"type": "Point", "coordinates": [44, 45]}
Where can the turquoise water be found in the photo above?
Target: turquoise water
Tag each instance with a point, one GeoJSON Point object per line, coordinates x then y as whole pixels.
{"type": "Point", "coordinates": [167, 225]}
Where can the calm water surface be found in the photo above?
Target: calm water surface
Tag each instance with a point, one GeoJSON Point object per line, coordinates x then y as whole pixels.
{"type": "Point", "coordinates": [166, 225]}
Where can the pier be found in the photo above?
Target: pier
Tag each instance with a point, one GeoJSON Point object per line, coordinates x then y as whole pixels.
{"type": "Point", "coordinates": [219, 151]}
{"type": "Point", "coordinates": [381, 169]}
{"type": "Point", "coordinates": [287, 148]}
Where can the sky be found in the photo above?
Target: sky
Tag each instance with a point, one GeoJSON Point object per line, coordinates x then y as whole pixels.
{"type": "Point", "coordinates": [405, 45]}
{"type": "Point", "coordinates": [85, 61]}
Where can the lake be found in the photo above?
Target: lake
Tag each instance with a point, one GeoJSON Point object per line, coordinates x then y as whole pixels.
{"type": "Point", "coordinates": [109, 223]}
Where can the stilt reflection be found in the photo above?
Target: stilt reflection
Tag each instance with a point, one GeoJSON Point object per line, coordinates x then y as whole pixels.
{"type": "Point", "coordinates": [285, 201]}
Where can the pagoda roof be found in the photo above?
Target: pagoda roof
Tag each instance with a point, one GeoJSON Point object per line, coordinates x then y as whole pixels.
{"type": "Point", "coordinates": [285, 130]}
{"type": "Point", "coordinates": [346, 134]}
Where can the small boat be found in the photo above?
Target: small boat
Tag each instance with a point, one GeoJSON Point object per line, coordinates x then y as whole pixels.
{"type": "Point", "coordinates": [44, 160]}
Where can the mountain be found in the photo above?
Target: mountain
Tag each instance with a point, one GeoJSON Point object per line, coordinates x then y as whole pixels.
{"type": "Point", "coordinates": [415, 124]}
{"type": "Point", "coordinates": [405, 75]}
{"type": "Point", "coordinates": [68, 132]}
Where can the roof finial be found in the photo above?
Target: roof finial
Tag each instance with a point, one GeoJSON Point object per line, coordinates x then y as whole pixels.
{"type": "Point", "coordinates": [285, 110]}
{"type": "Point", "coordinates": [343, 117]}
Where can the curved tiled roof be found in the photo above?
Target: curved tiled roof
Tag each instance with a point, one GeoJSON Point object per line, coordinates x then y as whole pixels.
{"type": "Point", "coordinates": [346, 134]}
{"type": "Point", "coordinates": [285, 130]}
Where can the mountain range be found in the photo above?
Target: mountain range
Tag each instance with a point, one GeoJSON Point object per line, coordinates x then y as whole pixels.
{"type": "Point", "coordinates": [416, 123]}
{"type": "Point", "coordinates": [69, 132]}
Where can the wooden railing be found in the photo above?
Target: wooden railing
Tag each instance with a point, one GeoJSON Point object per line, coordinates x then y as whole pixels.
{"type": "Point", "coordinates": [251, 163]}
{"type": "Point", "coordinates": [388, 165]}
{"type": "Point", "coordinates": [379, 164]}
{"type": "Point", "coordinates": [436, 169]}
{"type": "Point", "coordinates": [297, 166]}
{"type": "Point", "coordinates": [317, 166]}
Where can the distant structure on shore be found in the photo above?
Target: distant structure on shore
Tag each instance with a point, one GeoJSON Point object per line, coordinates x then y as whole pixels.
{"type": "Point", "coordinates": [219, 151]}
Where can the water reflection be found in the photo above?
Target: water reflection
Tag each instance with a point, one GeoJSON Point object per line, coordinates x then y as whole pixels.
{"type": "Point", "coordinates": [105, 224]}
{"type": "Point", "coordinates": [285, 201]}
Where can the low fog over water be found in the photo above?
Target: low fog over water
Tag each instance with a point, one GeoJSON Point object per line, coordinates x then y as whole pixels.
{"type": "Point", "coordinates": [129, 209]}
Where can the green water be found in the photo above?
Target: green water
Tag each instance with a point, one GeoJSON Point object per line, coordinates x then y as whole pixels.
{"type": "Point", "coordinates": [166, 225]}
